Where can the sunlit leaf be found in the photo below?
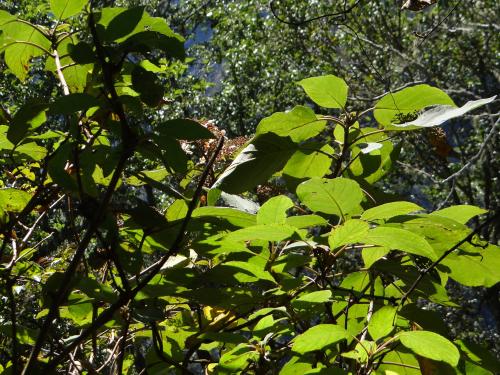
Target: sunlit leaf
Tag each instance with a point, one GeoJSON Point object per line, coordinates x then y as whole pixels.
{"type": "Point", "coordinates": [339, 196]}
{"type": "Point", "coordinates": [66, 8]}
{"type": "Point", "coordinates": [394, 106]}
{"type": "Point", "coordinates": [299, 124]}
{"type": "Point", "coordinates": [318, 338]}
{"type": "Point", "coordinates": [431, 345]}
{"type": "Point", "coordinates": [327, 91]}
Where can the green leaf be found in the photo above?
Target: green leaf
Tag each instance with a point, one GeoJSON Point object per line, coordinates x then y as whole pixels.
{"type": "Point", "coordinates": [268, 232]}
{"type": "Point", "coordinates": [124, 23]}
{"type": "Point", "coordinates": [13, 200]}
{"type": "Point", "coordinates": [373, 166]}
{"type": "Point", "coordinates": [177, 210]}
{"type": "Point", "coordinates": [148, 86]}
{"type": "Point", "coordinates": [309, 161]}
{"type": "Point", "coordinates": [299, 124]}
{"type": "Point", "coordinates": [431, 345]}
{"type": "Point", "coordinates": [318, 338]}
{"type": "Point", "coordinates": [479, 354]}
{"type": "Point", "coordinates": [66, 8]}
{"type": "Point", "coordinates": [400, 239]}
{"type": "Point", "coordinates": [442, 113]}
{"type": "Point", "coordinates": [319, 296]}
{"type": "Point", "coordinates": [22, 42]}
{"type": "Point", "coordinates": [156, 26]}
{"type": "Point", "coordinates": [327, 91]}
{"type": "Point", "coordinates": [460, 213]}
{"type": "Point", "coordinates": [81, 53]}
{"type": "Point", "coordinates": [249, 268]}
{"type": "Point", "coordinates": [238, 357]}
{"type": "Point", "coordinates": [339, 196]}
{"type": "Point", "coordinates": [6, 17]}
{"type": "Point", "coordinates": [266, 155]}
{"type": "Point", "coordinates": [236, 217]}
{"type": "Point", "coordinates": [388, 210]}
{"type": "Point", "coordinates": [274, 210]}
{"type": "Point", "coordinates": [30, 116]}
{"type": "Point", "coordinates": [479, 269]}
{"type": "Point", "coordinates": [306, 221]}
{"type": "Point", "coordinates": [185, 129]}
{"type": "Point", "coordinates": [352, 231]}
{"type": "Point", "coordinates": [32, 151]}
{"type": "Point", "coordinates": [382, 322]}
{"type": "Point", "coordinates": [407, 101]}
{"type": "Point", "coordinates": [68, 104]}
{"type": "Point", "coordinates": [371, 254]}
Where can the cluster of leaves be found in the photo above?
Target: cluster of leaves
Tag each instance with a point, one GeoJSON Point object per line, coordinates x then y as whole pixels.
{"type": "Point", "coordinates": [127, 247]}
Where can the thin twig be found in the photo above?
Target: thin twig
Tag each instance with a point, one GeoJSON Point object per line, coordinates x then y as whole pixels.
{"type": "Point", "coordinates": [473, 159]}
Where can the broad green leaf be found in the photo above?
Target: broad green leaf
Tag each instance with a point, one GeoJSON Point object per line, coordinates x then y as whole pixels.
{"type": "Point", "coordinates": [24, 335]}
{"type": "Point", "coordinates": [339, 196]}
{"type": "Point", "coordinates": [327, 91]}
{"type": "Point", "coordinates": [318, 338]}
{"type": "Point", "coordinates": [309, 162]}
{"type": "Point", "coordinates": [299, 124]}
{"type": "Point", "coordinates": [66, 8]}
{"type": "Point", "coordinates": [274, 210]}
{"type": "Point", "coordinates": [361, 351]}
{"type": "Point", "coordinates": [148, 86]}
{"type": "Point", "coordinates": [185, 129]}
{"type": "Point", "coordinates": [441, 232]}
{"type": "Point", "coordinates": [233, 216]}
{"type": "Point", "coordinates": [319, 296]}
{"type": "Point", "coordinates": [352, 231]}
{"type": "Point", "coordinates": [32, 151]}
{"type": "Point", "coordinates": [407, 101]}
{"type": "Point", "coordinates": [13, 200]}
{"type": "Point", "coordinates": [22, 42]}
{"type": "Point", "coordinates": [81, 53]}
{"type": "Point", "coordinates": [373, 166]}
{"type": "Point", "coordinates": [460, 213]}
{"type": "Point", "coordinates": [268, 232]}
{"type": "Point", "coordinates": [442, 113]}
{"type": "Point", "coordinates": [296, 366]}
{"type": "Point", "coordinates": [172, 154]}
{"type": "Point", "coordinates": [112, 19]}
{"type": "Point", "coordinates": [382, 322]}
{"type": "Point", "coordinates": [30, 116]}
{"type": "Point", "coordinates": [480, 355]}
{"type": "Point", "coordinates": [144, 177]}
{"type": "Point", "coordinates": [246, 268]}
{"type": "Point", "coordinates": [400, 362]}
{"type": "Point", "coordinates": [238, 358]}
{"type": "Point", "coordinates": [72, 103]}
{"type": "Point", "coordinates": [479, 269]}
{"type": "Point", "coordinates": [266, 155]}
{"type": "Point", "coordinates": [400, 239]}
{"type": "Point", "coordinates": [124, 23]}
{"type": "Point", "coordinates": [177, 210]}
{"type": "Point", "coordinates": [388, 210]}
{"type": "Point", "coordinates": [306, 221]}
{"type": "Point", "coordinates": [371, 254]}
{"type": "Point", "coordinates": [431, 345]}
{"type": "Point", "coordinates": [6, 17]}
